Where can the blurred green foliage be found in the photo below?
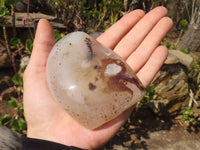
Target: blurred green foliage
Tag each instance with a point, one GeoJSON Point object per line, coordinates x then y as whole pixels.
{"type": "Point", "coordinates": [17, 80]}
{"type": "Point", "coordinates": [58, 35]}
{"type": "Point", "coordinates": [183, 24]}
{"type": "Point", "coordinates": [186, 51]}
{"type": "Point", "coordinates": [3, 11]}
{"type": "Point", "coordinates": [12, 103]}
{"type": "Point", "coordinates": [188, 115]}
{"type": "Point", "coordinates": [150, 92]}
{"type": "Point", "coordinates": [29, 45]}
{"type": "Point", "coordinates": [168, 44]}
{"type": "Point", "coordinates": [15, 42]}
{"type": "Point", "coordinates": [3, 7]}
{"type": "Point", "coordinates": [198, 61]}
{"type": "Point", "coordinates": [16, 121]}
{"type": "Point", "coordinates": [98, 14]}
{"type": "Point", "coordinates": [174, 47]}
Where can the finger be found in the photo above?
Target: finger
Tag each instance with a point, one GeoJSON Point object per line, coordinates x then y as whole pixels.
{"type": "Point", "coordinates": [155, 62]}
{"type": "Point", "coordinates": [114, 34]}
{"type": "Point", "coordinates": [137, 34]}
{"type": "Point", "coordinates": [43, 43]}
{"type": "Point", "coordinates": [149, 44]}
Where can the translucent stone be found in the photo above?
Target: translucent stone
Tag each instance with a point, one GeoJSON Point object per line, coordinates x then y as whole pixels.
{"type": "Point", "coordinates": [92, 83]}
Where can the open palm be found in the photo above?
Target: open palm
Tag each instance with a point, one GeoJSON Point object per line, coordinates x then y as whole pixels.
{"type": "Point", "coordinates": [135, 37]}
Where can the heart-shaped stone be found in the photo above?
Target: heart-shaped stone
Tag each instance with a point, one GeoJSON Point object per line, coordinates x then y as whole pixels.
{"type": "Point", "coordinates": [92, 83]}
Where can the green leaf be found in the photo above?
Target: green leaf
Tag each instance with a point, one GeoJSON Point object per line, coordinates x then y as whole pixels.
{"type": "Point", "coordinates": [174, 47]}
{"type": "Point", "coordinates": [17, 80]}
{"type": "Point", "coordinates": [3, 11]}
{"type": "Point", "coordinates": [11, 2]}
{"type": "Point", "coordinates": [190, 112]}
{"type": "Point", "coordinates": [2, 2]}
{"type": "Point", "coordinates": [58, 4]}
{"type": "Point", "coordinates": [15, 125]}
{"type": "Point", "coordinates": [20, 109]}
{"type": "Point", "coordinates": [144, 100]}
{"type": "Point", "coordinates": [18, 125]}
{"type": "Point", "coordinates": [194, 66]}
{"type": "Point", "coordinates": [12, 103]}
{"type": "Point", "coordinates": [185, 51]}
{"type": "Point", "coordinates": [6, 119]}
{"type": "Point", "coordinates": [198, 61]}
{"type": "Point", "coordinates": [183, 24]}
{"type": "Point", "coordinates": [15, 42]}
{"type": "Point", "coordinates": [58, 35]}
{"type": "Point", "coordinates": [23, 69]}
{"type": "Point", "coordinates": [22, 124]}
{"type": "Point", "coordinates": [100, 5]}
{"type": "Point", "coordinates": [29, 45]}
{"type": "Point", "coordinates": [185, 117]}
{"type": "Point", "coordinates": [191, 120]}
{"type": "Point", "coordinates": [70, 7]}
{"type": "Point", "coordinates": [168, 44]}
{"type": "Point", "coordinates": [150, 91]}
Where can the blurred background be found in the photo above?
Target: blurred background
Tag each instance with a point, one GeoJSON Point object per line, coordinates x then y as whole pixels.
{"type": "Point", "coordinates": [168, 117]}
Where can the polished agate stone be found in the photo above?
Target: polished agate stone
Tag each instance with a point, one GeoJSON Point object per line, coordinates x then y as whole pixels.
{"type": "Point", "coordinates": [92, 83]}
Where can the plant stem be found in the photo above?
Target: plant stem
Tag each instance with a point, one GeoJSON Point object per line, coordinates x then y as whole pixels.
{"type": "Point", "coordinates": [179, 37]}
{"type": "Point", "coordinates": [11, 57]}
{"type": "Point", "coordinates": [152, 5]}
{"type": "Point", "coordinates": [6, 38]}
{"type": "Point", "coordinates": [29, 29]}
{"type": "Point", "coordinates": [13, 22]}
{"type": "Point", "coordinates": [126, 5]}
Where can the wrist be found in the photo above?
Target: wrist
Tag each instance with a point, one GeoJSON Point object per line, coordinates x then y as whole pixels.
{"type": "Point", "coordinates": [60, 137]}
{"type": "Point", "coordinates": [32, 144]}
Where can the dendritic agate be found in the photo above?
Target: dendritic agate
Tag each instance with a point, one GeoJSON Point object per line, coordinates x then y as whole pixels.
{"type": "Point", "coordinates": [91, 82]}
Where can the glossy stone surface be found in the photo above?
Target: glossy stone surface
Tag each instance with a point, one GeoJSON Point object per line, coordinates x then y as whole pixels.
{"type": "Point", "coordinates": [91, 82]}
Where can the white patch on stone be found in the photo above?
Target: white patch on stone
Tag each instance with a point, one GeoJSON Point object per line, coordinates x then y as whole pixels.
{"type": "Point", "coordinates": [108, 53]}
{"type": "Point", "coordinates": [85, 64]}
{"type": "Point", "coordinates": [113, 69]}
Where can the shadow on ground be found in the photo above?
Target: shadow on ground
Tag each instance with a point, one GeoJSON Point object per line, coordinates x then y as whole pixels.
{"type": "Point", "coordinates": [145, 130]}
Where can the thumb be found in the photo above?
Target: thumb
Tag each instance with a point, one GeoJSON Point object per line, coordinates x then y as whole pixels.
{"type": "Point", "coordinates": [43, 43]}
{"type": "Point", "coordinates": [37, 98]}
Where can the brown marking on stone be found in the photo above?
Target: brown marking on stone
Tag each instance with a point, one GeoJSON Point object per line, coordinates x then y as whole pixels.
{"type": "Point", "coordinates": [89, 43]}
{"type": "Point", "coordinates": [92, 86]}
{"type": "Point", "coordinates": [118, 82]}
{"type": "Point", "coordinates": [96, 67]}
{"type": "Point", "coordinates": [105, 117]}
{"type": "Point", "coordinates": [134, 81]}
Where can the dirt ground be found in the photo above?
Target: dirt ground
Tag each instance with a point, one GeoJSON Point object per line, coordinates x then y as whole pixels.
{"type": "Point", "coordinates": [147, 131]}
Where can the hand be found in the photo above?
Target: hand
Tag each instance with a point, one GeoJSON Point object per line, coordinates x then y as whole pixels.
{"type": "Point", "coordinates": [135, 37]}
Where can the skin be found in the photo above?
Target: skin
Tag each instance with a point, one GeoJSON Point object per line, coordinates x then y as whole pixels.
{"type": "Point", "coordinates": [135, 37]}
